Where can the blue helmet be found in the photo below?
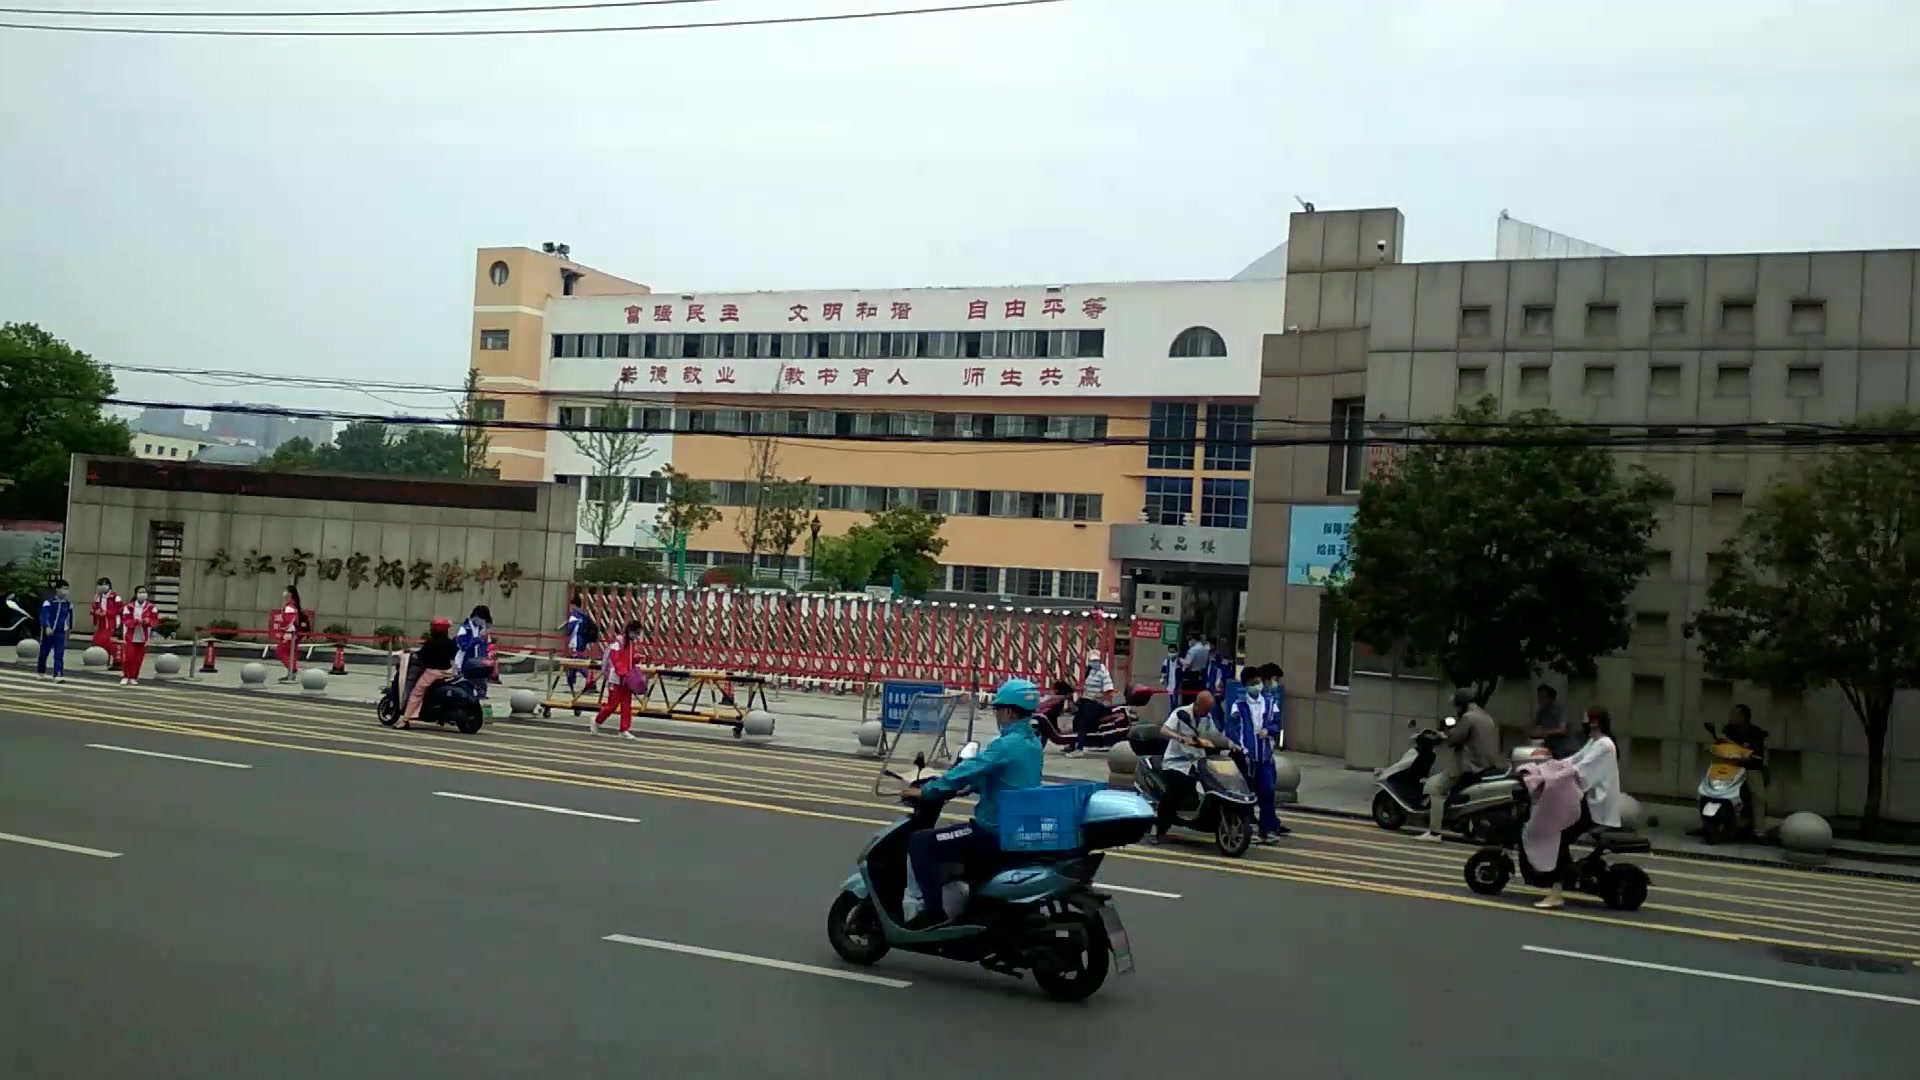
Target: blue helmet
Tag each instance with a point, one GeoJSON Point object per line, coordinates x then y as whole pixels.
{"type": "Point", "coordinates": [1020, 694]}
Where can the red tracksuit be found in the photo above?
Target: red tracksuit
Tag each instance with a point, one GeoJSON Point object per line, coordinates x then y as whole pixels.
{"type": "Point", "coordinates": [137, 622]}
{"type": "Point", "coordinates": [618, 663]}
{"type": "Point", "coordinates": [106, 625]}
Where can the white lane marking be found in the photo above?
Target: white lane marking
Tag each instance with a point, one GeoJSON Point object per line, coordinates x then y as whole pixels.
{"type": "Point", "coordinates": [169, 757]}
{"type": "Point", "coordinates": [758, 961]}
{"type": "Point", "coordinates": [537, 806]}
{"type": "Point", "coordinates": [57, 846]}
{"type": "Point", "coordinates": [1104, 887]}
{"type": "Point", "coordinates": [1752, 980]}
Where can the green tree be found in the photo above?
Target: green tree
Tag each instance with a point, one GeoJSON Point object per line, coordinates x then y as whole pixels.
{"type": "Point", "coordinates": [619, 570]}
{"type": "Point", "coordinates": [904, 540]}
{"type": "Point", "coordinates": [852, 561]}
{"type": "Point", "coordinates": [686, 510]}
{"type": "Point", "coordinates": [785, 512]}
{"type": "Point", "coordinates": [1497, 549]}
{"type": "Point", "coordinates": [370, 447]}
{"type": "Point", "coordinates": [1818, 587]}
{"type": "Point", "coordinates": [476, 446]}
{"type": "Point", "coordinates": [50, 395]}
{"type": "Point", "coordinates": [297, 454]}
{"type": "Point", "coordinates": [614, 445]}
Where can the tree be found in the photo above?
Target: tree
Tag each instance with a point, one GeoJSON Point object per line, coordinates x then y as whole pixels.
{"type": "Point", "coordinates": [370, 447]}
{"type": "Point", "coordinates": [619, 570]}
{"type": "Point", "coordinates": [1819, 584]}
{"type": "Point", "coordinates": [903, 540]}
{"type": "Point", "coordinates": [297, 454]}
{"type": "Point", "coordinates": [685, 511]}
{"type": "Point", "coordinates": [851, 561]}
{"type": "Point", "coordinates": [763, 461]}
{"type": "Point", "coordinates": [476, 446]}
{"type": "Point", "coordinates": [785, 513]}
{"type": "Point", "coordinates": [50, 396]}
{"type": "Point", "coordinates": [613, 447]}
{"type": "Point", "coordinates": [1497, 549]}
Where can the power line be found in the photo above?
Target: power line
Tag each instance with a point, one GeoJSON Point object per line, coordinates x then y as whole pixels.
{"type": "Point", "coordinates": [530, 31]}
{"type": "Point", "coordinates": [365, 13]}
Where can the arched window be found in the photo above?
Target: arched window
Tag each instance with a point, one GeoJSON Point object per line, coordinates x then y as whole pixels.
{"type": "Point", "coordinates": [1198, 341]}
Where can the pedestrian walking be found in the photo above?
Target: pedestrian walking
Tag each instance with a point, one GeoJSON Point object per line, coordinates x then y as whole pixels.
{"type": "Point", "coordinates": [581, 634]}
{"type": "Point", "coordinates": [625, 681]}
{"type": "Point", "coordinates": [106, 618]}
{"type": "Point", "coordinates": [56, 622]}
{"type": "Point", "coordinates": [137, 622]}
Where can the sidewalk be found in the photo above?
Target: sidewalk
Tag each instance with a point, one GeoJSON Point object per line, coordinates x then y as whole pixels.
{"type": "Point", "coordinates": [820, 723]}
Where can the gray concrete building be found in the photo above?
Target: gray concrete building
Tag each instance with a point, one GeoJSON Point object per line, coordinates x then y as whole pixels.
{"type": "Point", "coordinates": [1638, 341]}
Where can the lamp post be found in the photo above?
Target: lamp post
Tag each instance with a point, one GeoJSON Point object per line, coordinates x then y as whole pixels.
{"type": "Point", "coordinates": [813, 545]}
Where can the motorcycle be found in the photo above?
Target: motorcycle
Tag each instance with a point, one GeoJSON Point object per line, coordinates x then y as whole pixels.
{"type": "Point", "coordinates": [16, 624]}
{"type": "Point", "coordinates": [1026, 911]}
{"type": "Point", "coordinates": [1725, 810]}
{"type": "Point", "coordinates": [1477, 804]}
{"type": "Point", "coordinates": [1109, 729]}
{"type": "Point", "coordinates": [451, 701]}
{"type": "Point", "coordinates": [1222, 803]}
{"type": "Point", "coordinates": [1621, 886]}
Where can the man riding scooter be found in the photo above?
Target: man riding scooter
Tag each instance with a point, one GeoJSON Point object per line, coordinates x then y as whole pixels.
{"type": "Point", "coordinates": [1475, 744]}
{"type": "Point", "coordinates": [1011, 761]}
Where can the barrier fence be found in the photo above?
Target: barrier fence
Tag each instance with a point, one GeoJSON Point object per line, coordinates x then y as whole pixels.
{"type": "Point", "coordinates": [845, 643]}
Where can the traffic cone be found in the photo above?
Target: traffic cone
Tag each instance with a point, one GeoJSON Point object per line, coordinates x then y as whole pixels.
{"type": "Point", "coordinates": [339, 658]}
{"type": "Point", "coordinates": [206, 666]}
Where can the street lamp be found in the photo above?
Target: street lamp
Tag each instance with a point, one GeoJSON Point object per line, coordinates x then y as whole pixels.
{"type": "Point", "coordinates": [813, 543]}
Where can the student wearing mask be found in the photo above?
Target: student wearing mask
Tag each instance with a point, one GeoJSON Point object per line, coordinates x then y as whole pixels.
{"type": "Point", "coordinates": [106, 620]}
{"type": "Point", "coordinates": [291, 616]}
{"type": "Point", "coordinates": [581, 634]}
{"type": "Point", "coordinates": [1246, 727]}
{"type": "Point", "coordinates": [56, 622]}
{"type": "Point", "coordinates": [475, 640]}
{"type": "Point", "coordinates": [1170, 674]}
{"type": "Point", "coordinates": [625, 682]}
{"type": "Point", "coordinates": [137, 622]}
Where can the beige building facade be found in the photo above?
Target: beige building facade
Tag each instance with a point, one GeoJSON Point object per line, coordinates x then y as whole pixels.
{"type": "Point", "coordinates": [1635, 341]}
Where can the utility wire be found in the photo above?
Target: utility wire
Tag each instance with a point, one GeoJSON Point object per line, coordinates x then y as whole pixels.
{"type": "Point", "coordinates": [531, 31]}
{"type": "Point", "coordinates": [366, 13]}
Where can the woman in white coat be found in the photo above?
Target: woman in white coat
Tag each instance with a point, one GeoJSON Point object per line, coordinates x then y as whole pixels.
{"type": "Point", "coordinates": [1598, 763]}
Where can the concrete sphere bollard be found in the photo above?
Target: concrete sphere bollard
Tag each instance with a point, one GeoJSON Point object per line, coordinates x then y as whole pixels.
{"type": "Point", "coordinates": [166, 664]}
{"type": "Point", "coordinates": [313, 680]}
{"type": "Point", "coordinates": [869, 734]}
{"type": "Point", "coordinates": [253, 675]}
{"type": "Point", "coordinates": [523, 702]}
{"type": "Point", "coordinates": [95, 656]}
{"type": "Point", "coordinates": [27, 650]}
{"type": "Point", "coordinates": [759, 723]}
{"type": "Point", "coordinates": [1632, 814]}
{"type": "Point", "coordinates": [1286, 780]}
{"type": "Point", "coordinates": [1805, 838]}
{"type": "Point", "coordinates": [1121, 760]}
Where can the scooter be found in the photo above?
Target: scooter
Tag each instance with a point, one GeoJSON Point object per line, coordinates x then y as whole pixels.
{"type": "Point", "coordinates": [1725, 810]}
{"type": "Point", "coordinates": [1110, 729]}
{"type": "Point", "coordinates": [1221, 804]}
{"type": "Point", "coordinates": [1621, 886]}
{"type": "Point", "coordinates": [450, 701]}
{"type": "Point", "coordinates": [1027, 911]}
{"type": "Point", "coordinates": [1477, 804]}
{"type": "Point", "coordinates": [16, 624]}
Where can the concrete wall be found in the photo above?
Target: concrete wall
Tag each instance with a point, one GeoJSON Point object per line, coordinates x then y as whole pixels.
{"type": "Point", "coordinates": [108, 530]}
{"type": "Point", "coordinates": [1806, 337]}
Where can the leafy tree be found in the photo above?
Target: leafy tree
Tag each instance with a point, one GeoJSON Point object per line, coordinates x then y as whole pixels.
{"type": "Point", "coordinates": [613, 446]}
{"type": "Point", "coordinates": [1497, 549]}
{"type": "Point", "coordinates": [371, 447]}
{"type": "Point", "coordinates": [904, 540]}
{"type": "Point", "coordinates": [1820, 583]}
{"type": "Point", "coordinates": [476, 446]}
{"type": "Point", "coordinates": [620, 570]}
{"type": "Point", "coordinates": [297, 454]}
{"type": "Point", "coordinates": [763, 463]}
{"type": "Point", "coordinates": [687, 510]}
{"type": "Point", "coordinates": [50, 395]}
{"type": "Point", "coordinates": [852, 561]}
{"type": "Point", "coordinates": [786, 509]}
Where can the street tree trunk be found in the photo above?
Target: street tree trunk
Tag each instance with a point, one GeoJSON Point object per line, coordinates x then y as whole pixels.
{"type": "Point", "coordinates": [1876, 724]}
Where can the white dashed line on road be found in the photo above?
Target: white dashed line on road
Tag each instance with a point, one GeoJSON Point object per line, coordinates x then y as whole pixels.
{"type": "Point", "coordinates": [1104, 887]}
{"type": "Point", "coordinates": [758, 961]}
{"type": "Point", "coordinates": [539, 807]}
{"type": "Point", "coordinates": [1724, 976]}
{"type": "Point", "coordinates": [169, 757]}
{"type": "Point", "coordinates": [55, 845]}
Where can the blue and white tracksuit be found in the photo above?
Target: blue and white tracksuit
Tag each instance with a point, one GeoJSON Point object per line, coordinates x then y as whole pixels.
{"type": "Point", "coordinates": [575, 632]}
{"type": "Point", "coordinates": [56, 622]}
{"type": "Point", "coordinates": [472, 651]}
{"type": "Point", "coordinates": [1248, 718]}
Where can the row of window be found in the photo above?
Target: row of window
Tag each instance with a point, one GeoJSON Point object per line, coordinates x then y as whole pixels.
{"type": "Point", "coordinates": [866, 498]}
{"type": "Point", "coordinates": [836, 345]}
{"type": "Point", "coordinates": [832, 422]}
{"type": "Point", "coordinates": [1731, 379]}
{"type": "Point", "coordinates": [1173, 429]}
{"type": "Point", "coordinates": [1034, 583]}
{"type": "Point", "coordinates": [1224, 504]}
{"type": "Point", "coordinates": [1804, 317]}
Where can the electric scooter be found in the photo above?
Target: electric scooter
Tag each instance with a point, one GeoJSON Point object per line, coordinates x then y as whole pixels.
{"type": "Point", "coordinates": [1110, 729]}
{"type": "Point", "coordinates": [1477, 804]}
{"type": "Point", "coordinates": [1221, 803]}
{"type": "Point", "coordinates": [1726, 812]}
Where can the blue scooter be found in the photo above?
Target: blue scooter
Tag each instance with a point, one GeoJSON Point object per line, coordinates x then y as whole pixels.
{"type": "Point", "coordinates": [1028, 911]}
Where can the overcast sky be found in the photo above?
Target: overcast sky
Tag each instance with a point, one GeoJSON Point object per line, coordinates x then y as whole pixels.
{"type": "Point", "coordinates": [312, 206]}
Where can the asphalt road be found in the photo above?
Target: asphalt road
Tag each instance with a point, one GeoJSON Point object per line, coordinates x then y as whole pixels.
{"type": "Point", "coordinates": [346, 905]}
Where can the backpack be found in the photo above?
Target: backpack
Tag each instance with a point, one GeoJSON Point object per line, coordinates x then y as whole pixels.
{"type": "Point", "coordinates": [589, 630]}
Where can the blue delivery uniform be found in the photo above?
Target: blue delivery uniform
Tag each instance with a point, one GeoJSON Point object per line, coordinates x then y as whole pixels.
{"type": "Point", "coordinates": [1011, 761]}
{"type": "Point", "coordinates": [56, 622]}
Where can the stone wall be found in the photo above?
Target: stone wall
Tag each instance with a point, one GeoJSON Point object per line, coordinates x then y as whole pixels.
{"type": "Point", "coordinates": [456, 543]}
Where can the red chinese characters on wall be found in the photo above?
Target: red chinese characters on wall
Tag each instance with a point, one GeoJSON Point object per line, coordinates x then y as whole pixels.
{"type": "Point", "coordinates": [1011, 378]}
{"type": "Point", "coordinates": [1017, 309]}
{"type": "Point", "coordinates": [633, 314]}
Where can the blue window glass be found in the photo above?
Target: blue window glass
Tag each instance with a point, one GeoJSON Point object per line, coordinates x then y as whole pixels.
{"type": "Point", "coordinates": [1169, 499]}
{"type": "Point", "coordinates": [1224, 504]}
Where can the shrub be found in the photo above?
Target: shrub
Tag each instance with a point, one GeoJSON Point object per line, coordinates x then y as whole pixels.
{"type": "Point", "coordinates": [224, 629]}
{"type": "Point", "coordinates": [390, 636]}
{"type": "Point", "coordinates": [169, 628]}
{"type": "Point", "coordinates": [619, 570]}
{"type": "Point", "coordinates": [337, 633]}
{"type": "Point", "coordinates": [724, 575]}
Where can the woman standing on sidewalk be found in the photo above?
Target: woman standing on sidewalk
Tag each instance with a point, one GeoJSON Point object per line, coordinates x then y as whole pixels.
{"type": "Point", "coordinates": [625, 681]}
{"type": "Point", "coordinates": [137, 622]}
{"type": "Point", "coordinates": [290, 616]}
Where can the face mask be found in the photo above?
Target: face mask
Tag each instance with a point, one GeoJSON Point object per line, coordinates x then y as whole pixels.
{"type": "Point", "coordinates": [61, 592]}
{"type": "Point", "coordinates": [140, 597]}
{"type": "Point", "coordinates": [104, 590]}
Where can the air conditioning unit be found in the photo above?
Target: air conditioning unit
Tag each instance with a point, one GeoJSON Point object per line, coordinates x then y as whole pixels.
{"type": "Point", "coordinates": [1165, 602]}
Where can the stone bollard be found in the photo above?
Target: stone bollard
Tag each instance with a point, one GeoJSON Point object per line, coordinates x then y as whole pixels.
{"type": "Point", "coordinates": [26, 650]}
{"type": "Point", "coordinates": [253, 675]}
{"type": "Point", "coordinates": [166, 664]}
{"type": "Point", "coordinates": [1122, 764]}
{"type": "Point", "coordinates": [1286, 780]}
{"type": "Point", "coordinates": [869, 735]}
{"type": "Point", "coordinates": [313, 680]}
{"type": "Point", "coordinates": [523, 702]}
{"type": "Point", "coordinates": [1805, 838]}
{"type": "Point", "coordinates": [759, 724]}
{"type": "Point", "coordinates": [95, 656]}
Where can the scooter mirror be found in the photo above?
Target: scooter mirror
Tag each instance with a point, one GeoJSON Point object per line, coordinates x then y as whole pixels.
{"type": "Point", "coordinates": [970, 750]}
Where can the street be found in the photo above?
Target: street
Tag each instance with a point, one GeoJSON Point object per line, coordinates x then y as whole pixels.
{"type": "Point", "coordinates": [196, 883]}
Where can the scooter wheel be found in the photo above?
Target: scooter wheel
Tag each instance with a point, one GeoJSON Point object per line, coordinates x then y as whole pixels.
{"type": "Point", "coordinates": [1388, 814]}
{"type": "Point", "coordinates": [1625, 887]}
{"type": "Point", "coordinates": [1488, 871]}
{"type": "Point", "coordinates": [1233, 832]}
{"type": "Point", "coordinates": [469, 722]}
{"type": "Point", "coordinates": [1080, 960]}
{"type": "Point", "coordinates": [854, 930]}
{"type": "Point", "coordinates": [389, 715]}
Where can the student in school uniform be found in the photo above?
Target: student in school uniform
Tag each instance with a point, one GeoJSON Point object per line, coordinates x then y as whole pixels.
{"type": "Point", "coordinates": [624, 681]}
{"type": "Point", "coordinates": [137, 622]}
{"type": "Point", "coordinates": [106, 620]}
{"type": "Point", "coordinates": [56, 622]}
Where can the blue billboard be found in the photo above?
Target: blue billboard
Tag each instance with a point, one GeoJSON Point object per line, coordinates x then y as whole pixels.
{"type": "Point", "coordinates": [1316, 542]}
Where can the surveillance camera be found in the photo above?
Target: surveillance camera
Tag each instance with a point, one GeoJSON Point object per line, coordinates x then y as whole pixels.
{"type": "Point", "coordinates": [1380, 246]}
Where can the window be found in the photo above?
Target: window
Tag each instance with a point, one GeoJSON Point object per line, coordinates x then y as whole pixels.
{"type": "Point", "coordinates": [1348, 455]}
{"type": "Point", "coordinates": [1470, 384]}
{"type": "Point", "coordinates": [647, 489]}
{"type": "Point", "coordinates": [1224, 504]}
{"type": "Point", "coordinates": [1663, 380]}
{"type": "Point", "coordinates": [497, 273]}
{"type": "Point", "coordinates": [573, 416]}
{"type": "Point", "coordinates": [1603, 320]}
{"type": "Point", "coordinates": [976, 579]}
{"type": "Point", "coordinates": [1170, 430]}
{"type": "Point", "coordinates": [1536, 320]}
{"type": "Point", "coordinates": [1476, 323]}
{"type": "Point", "coordinates": [1731, 380]}
{"type": "Point", "coordinates": [1807, 317]}
{"type": "Point", "coordinates": [1169, 499]}
{"type": "Point", "coordinates": [1025, 582]}
{"type": "Point", "coordinates": [1079, 585]}
{"type": "Point", "coordinates": [1736, 316]}
{"type": "Point", "coordinates": [566, 345]}
{"type": "Point", "coordinates": [1197, 341]}
{"type": "Point", "coordinates": [1230, 437]}
{"type": "Point", "coordinates": [489, 409]}
{"type": "Point", "coordinates": [1534, 382]}
{"type": "Point", "coordinates": [1670, 317]}
{"type": "Point", "coordinates": [1092, 343]}
{"type": "Point", "coordinates": [1598, 381]}
{"type": "Point", "coordinates": [493, 340]}
{"type": "Point", "coordinates": [1803, 381]}
{"type": "Point", "coordinates": [1339, 667]}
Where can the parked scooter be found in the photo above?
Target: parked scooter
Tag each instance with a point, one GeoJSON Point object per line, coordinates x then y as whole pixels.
{"type": "Point", "coordinates": [1477, 804]}
{"type": "Point", "coordinates": [1621, 886]}
{"type": "Point", "coordinates": [16, 623]}
{"type": "Point", "coordinates": [1109, 729]}
{"type": "Point", "coordinates": [1028, 911]}
{"type": "Point", "coordinates": [1222, 803]}
{"type": "Point", "coordinates": [1726, 810]}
